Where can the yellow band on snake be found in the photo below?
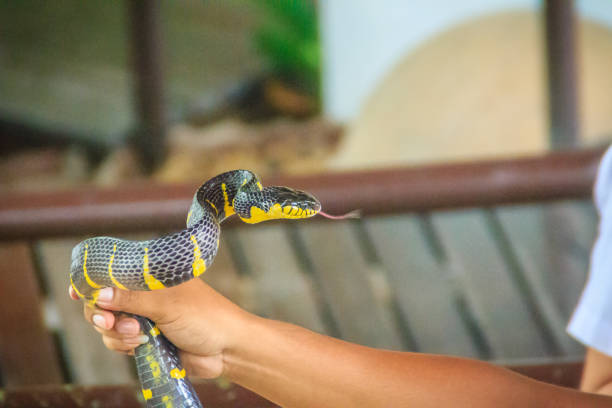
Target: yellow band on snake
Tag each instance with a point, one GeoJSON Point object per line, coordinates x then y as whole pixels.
{"type": "Point", "coordinates": [110, 270]}
{"type": "Point", "coordinates": [149, 279]}
{"type": "Point", "coordinates": [87, 278]}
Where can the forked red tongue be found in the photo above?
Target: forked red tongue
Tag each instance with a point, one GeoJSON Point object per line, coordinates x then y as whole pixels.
{"type": "Point", "coordinates": [349, 215]}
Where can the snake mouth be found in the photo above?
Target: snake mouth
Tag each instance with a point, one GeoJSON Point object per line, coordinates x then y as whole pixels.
{"type": "Point", "coordinates": [283, 203]}
{"type": "Point", "coordinates": [296, 203]}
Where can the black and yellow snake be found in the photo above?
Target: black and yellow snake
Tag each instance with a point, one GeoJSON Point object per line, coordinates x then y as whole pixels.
{"type": "Point", "coordinates": [172, 259]}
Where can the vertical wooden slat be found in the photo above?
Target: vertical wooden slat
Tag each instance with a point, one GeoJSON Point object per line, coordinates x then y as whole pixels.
{"type": "Point", "coordinates": [567, 253]}
{"type": "Point", "coordinates": [284, 291]}
{"type": "Point", "coordinates": [426, 295]}
{"type": "Point", "coordinates": [27, 353]}
{"type": "Point", "coordinates": [487, 282]}
{"type": "Point", "coordinates": [362, 313]}
{"type": "Point", "coordinates": [555, 272]}
{"type": "Point", "coordinates": [224, 277]}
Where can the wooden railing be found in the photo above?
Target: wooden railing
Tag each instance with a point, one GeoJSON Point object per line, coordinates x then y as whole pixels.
{"type": "Point", "coordinates": [554, 176]}
{"type": "Point", "coordinates": [28, 354]}
{"type": "Point", "coordinates": [563, 374]}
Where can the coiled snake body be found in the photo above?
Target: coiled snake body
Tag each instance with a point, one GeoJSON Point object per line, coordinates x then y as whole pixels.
{"type": "Point", "coordinates": [167, 261]}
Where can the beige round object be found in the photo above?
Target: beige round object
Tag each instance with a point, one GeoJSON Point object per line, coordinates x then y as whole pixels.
{"type": "Point", "coordinates": [477, 90]}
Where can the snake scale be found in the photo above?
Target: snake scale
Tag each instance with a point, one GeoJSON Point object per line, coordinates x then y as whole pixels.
{"type": "Point", "coordinates": [172, 259]}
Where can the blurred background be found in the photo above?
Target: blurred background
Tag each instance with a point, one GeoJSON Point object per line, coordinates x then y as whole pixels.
{"type": "Point", "coordinates": [113, 112]}
{"type": "Point", "coordinates": [109, 92]}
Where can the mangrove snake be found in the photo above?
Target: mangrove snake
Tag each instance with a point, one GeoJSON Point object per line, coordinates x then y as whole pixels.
{"type": "Point", "coordinates": [172, 259]}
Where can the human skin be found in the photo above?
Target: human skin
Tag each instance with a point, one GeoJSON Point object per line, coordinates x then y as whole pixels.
{"type": "Point", "coordinates": [295, 367]}
{"type": "Point", "coordinates": [597, 375]}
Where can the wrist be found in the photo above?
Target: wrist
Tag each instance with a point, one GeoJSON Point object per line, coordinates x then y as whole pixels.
{"type": "Point", "coordinates": [244, 336]}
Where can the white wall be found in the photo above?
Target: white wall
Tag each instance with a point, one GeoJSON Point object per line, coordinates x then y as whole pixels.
{"type": "Point", "coordinates": [363, 39]}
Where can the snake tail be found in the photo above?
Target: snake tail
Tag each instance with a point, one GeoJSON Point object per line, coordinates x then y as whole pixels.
{"type": "Point", "coordinates": [161, 375]}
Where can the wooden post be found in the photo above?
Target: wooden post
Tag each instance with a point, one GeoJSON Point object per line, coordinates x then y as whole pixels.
{"type": "Point", "coordinates": [564, 134]}
{"type": "Point", "coordinates": [146, 42]}
{"type": "Point", "coordinates": [561, 65]}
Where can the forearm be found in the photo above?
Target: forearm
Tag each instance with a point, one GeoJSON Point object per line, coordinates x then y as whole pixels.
{"type": "Point", "coordinates": [597, 375]}
{"type": "Point", "coordinates": [604, 389]}
{"type": "Point", "coordinates": [295, 367]}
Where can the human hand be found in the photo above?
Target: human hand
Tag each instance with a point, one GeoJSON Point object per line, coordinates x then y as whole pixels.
{"type": "Point", "coordinates": [197, 319]}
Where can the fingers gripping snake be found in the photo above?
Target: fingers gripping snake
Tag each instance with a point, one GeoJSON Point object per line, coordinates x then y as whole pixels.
{"type": "Point", "coordinates": [172, 259]}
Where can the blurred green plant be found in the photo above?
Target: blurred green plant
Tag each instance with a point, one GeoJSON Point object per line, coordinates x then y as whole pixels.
{"type": "Point", "coordinates": [289, 42]}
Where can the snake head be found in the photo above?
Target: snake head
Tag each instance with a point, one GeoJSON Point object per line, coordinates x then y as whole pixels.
{"type": "Point", "coordinates": [273, 203]}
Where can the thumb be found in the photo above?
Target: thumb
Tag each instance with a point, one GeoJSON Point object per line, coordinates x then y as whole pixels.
{"type": "Point", "coordinates": [142, 303]}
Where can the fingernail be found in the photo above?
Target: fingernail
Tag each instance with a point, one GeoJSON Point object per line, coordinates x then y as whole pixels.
{"type": "Point", "coordinates": [99, 321]}
{"type": "Point", "coordinates": [142, 339]}
{"type": "Point", "coordinates": [72, 293]}
{"type": "Point", "coordinates": [127, 327]}
{"type": "Point", "coordinates": [105, 295]}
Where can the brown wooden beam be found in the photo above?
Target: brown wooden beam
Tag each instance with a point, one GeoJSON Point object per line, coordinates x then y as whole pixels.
{"type": "Point", "coordinates": [564, 374]}
{"type": "Point", "coordinates": [124, 396]}
{"type": "Point", "coordinates": [554, 176]}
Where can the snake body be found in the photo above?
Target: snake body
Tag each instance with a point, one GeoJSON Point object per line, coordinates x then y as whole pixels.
{"type": "Point", "coordinates": [175, 258]}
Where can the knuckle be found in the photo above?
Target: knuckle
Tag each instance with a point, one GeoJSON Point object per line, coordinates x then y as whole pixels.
{"type": "Point", "coordinates": [115, 344]}
{"type": "Point", "coordinates": [108, 342]}
{"type": "Point", "coordinates": [124, 298]}
{"type": "Point", "coordinates": [107, 333]}
{"type": "Point", "coordinates": [118, 297]}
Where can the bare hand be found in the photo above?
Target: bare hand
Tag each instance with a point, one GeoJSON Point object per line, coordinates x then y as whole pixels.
{"type": "Point", "coordinates": [198, 320]}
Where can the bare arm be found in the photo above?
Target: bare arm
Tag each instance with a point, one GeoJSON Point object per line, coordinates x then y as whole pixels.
{"type": "Point", "coordinates": [295, 367]}
{"type": "Point", "coordinates": [597, 375]}
{"type": "Point", "coordinates": [298, 368]}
